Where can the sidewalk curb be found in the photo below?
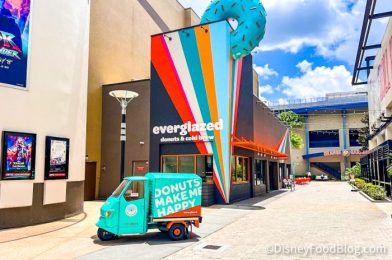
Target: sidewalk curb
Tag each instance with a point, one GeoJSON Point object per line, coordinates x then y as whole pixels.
{"type": "Point", "coordinates": [373, 200]}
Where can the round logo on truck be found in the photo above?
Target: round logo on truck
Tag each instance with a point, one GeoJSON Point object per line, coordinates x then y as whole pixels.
{"type": "Point", "coordinates": [131, 210]}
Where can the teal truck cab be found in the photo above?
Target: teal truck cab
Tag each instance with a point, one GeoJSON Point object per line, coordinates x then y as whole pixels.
{"type": "Point", "coordinates": [170, 202]}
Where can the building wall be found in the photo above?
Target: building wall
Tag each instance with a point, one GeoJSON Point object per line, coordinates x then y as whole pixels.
{"type": "Point", "coordinates": [380, 94]}
{"type": "Point", "coordinates": [328, 121]}
{"type": "Point", "coordinates": [55, 104]}
{"type": "Point", "coordinates": [268, 130]}
{"type": "Point", "coordinates": [123, 54]}
{"type": "Point", "coordinates": [138, 137]}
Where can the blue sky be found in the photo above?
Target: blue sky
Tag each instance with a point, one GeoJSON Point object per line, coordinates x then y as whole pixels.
{"type": "Point", "coordinates": [310, 46]}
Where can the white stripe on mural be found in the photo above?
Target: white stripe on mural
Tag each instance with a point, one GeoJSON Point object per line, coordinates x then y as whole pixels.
{"type": "Point", "coordinates": [175, 48]}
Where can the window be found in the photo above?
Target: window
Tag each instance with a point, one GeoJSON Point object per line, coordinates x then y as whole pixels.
{"type": "Point", "coordinates": [186, 164]}
{"type": "Point", "coordinates": [120, 188]}
{"type": "Point", "coordinates": [281, 171]}
{"type": "Point", "coordinates": [169, 164]}
{"type": "Point", "coordinates": [354, 136]}
{"type": "Point", "coordinates": [135, 191]}
{"type": "Point", "coordinates": [258, 173]}
{"type": "Point", "coordinates": [245, 171]}
{"type": "Point", "coordinates": [240, 169]}
{"type": "Point", "coordinates": [323, 138]}
{"type": "Point", "coordinates": [202, 165]}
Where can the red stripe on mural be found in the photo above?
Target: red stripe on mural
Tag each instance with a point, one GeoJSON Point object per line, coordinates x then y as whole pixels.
{"type": "Point", "coordinates": [163, 64]}
{"type": "Point", "coordinates": [237, 88]}
{"type": "Point", "coordinates": [218, 186]}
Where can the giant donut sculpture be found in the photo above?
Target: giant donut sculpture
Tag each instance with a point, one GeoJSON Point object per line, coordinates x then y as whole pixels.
{"type": "Point", "coordinates": [251, 19]}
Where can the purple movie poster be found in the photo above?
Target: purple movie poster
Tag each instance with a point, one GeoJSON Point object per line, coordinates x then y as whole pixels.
{"type": "Point", "coordinates": [14, 42]}
{"type": "Point", "coordinates": [18, 155]}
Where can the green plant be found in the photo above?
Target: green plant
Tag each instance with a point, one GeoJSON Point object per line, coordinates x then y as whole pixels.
{"type": "Point", "coordinates": [376, 192]}
{"type": "Point", "coordinates": [354, 172]}
{"type": "Point", "coordinates": [293, 121]}
{"type": "Point", "coordinates": [296, 140]}
{"type": "Point", "coordinates": [366, 187]}
{"type": "Point", "coordinates": [364, 132]}
{"type": "Point", "coordinates": [389, 168]}
{"type": "Point", "coordinates": [359, 183]}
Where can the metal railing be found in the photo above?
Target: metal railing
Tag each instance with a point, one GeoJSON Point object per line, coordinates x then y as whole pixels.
{"type": "Point", "coordinates": [328, 100]}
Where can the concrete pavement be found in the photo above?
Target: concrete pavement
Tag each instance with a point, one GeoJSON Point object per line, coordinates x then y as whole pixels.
{"type": "Point", "coordinates": [75, 237]}
{"type": "Point", "coordinates": [326, 219]}
{"type": "Point", "coordinates": [156, 245]}
{"type": "Point", "coordinates": [315, 216]}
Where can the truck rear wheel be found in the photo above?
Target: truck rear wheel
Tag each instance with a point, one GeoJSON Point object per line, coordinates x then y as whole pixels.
{"type": "Point", "coordinates": [104, 235]}
{"type": "Point", "coordinates": [177, 232]}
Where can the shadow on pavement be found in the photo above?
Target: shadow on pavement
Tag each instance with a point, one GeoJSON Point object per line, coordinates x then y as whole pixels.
{"type": "Point", "coordinates": [151, 238]}
{"type": "Point", "coordinates": [251, 204]}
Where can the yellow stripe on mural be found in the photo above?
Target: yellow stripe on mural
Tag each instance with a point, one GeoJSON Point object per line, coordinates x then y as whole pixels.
{"type": "Point", "coordinates": [204, 46]}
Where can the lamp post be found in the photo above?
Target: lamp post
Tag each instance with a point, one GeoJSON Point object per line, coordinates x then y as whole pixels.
{"type": "Point", "coordinates": [123, 97]}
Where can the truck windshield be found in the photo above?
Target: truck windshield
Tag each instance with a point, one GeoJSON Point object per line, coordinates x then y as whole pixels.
{"type": "Point", "coordinates": [120, 188]}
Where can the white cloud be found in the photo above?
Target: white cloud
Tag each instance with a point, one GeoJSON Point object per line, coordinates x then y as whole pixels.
{"type": "Point", "coordinates": [304, 66]}
{"type": "Point", "coordinates": [317, 82]}
{"type": "Point", "coordinates": [333, 27]}
{"type": "Point", "coordinates": [282, 101]}
{"type": "Point", "coordinates": [265, 101]}
{"type": "Point", "coordinates": [268, 89]}
{"type": "Point", "coordinates": [265, 71]}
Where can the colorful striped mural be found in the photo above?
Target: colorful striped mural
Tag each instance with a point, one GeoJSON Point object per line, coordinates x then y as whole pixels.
{"type": "Point", "coordinates": [281, 147]}
{"type": "Point", "coordinates": [202, 80]}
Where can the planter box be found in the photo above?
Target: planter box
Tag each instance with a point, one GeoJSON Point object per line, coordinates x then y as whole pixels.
{"type": "Point", "coordinates": [387, 200]}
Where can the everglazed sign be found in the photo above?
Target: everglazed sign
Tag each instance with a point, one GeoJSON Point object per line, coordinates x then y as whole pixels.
{"type": "Point", "coordinates": [196, 131]}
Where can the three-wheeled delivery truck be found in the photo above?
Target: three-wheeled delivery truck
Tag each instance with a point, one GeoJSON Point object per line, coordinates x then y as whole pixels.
{"type": "Point", "coordinates": [170, 202]}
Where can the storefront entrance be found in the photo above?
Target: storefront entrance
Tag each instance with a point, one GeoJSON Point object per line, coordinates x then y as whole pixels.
{"type": "Point", "coordinates": [273, 176]}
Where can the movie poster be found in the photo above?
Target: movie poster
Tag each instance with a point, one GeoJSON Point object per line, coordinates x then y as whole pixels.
{"type": "Point", "coordinates": [14, 42]}
{"type": "Point", "coordinates": [56, 158]}
{"type": "Point", "coordinates": [18, 156]}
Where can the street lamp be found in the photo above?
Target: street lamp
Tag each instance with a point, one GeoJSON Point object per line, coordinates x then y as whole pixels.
{"type": "Point", "coordinates": [123, 97]}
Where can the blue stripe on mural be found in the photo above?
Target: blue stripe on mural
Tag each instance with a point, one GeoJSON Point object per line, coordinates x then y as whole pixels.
{"type": "Point", "coordinates": [220, 32]}
{"type": "Point", "coordinates": [189, 46]}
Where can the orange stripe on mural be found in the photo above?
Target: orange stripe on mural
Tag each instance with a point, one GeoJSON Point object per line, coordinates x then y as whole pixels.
{"type": "Point", "coordinates": [163, 63]}
{"type": "Point", "coordinates": [204, 46]}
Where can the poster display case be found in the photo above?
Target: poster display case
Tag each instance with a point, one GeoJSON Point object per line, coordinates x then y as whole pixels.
{"type": "Point", "coordinates": [56, 158]}
{"type": "Point", "coordinates": [18, 156]}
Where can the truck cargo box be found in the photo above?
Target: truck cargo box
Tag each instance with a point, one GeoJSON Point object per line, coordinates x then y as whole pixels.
{"type": "Point", "coordinates": [175, 195]}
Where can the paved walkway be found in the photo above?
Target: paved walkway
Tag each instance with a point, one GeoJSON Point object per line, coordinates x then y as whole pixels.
{"type": "Point", "coordinates": [156, 245]}
{"type": "Point", "coordinates": [320, 215]}
{"type": "Point", "coordinates": [76, 237]}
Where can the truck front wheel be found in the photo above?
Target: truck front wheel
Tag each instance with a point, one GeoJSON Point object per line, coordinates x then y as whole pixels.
{"type": "Point", "coordinates": [177, 232]}
{"type": "Point", "coordinates": [104, 235]}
